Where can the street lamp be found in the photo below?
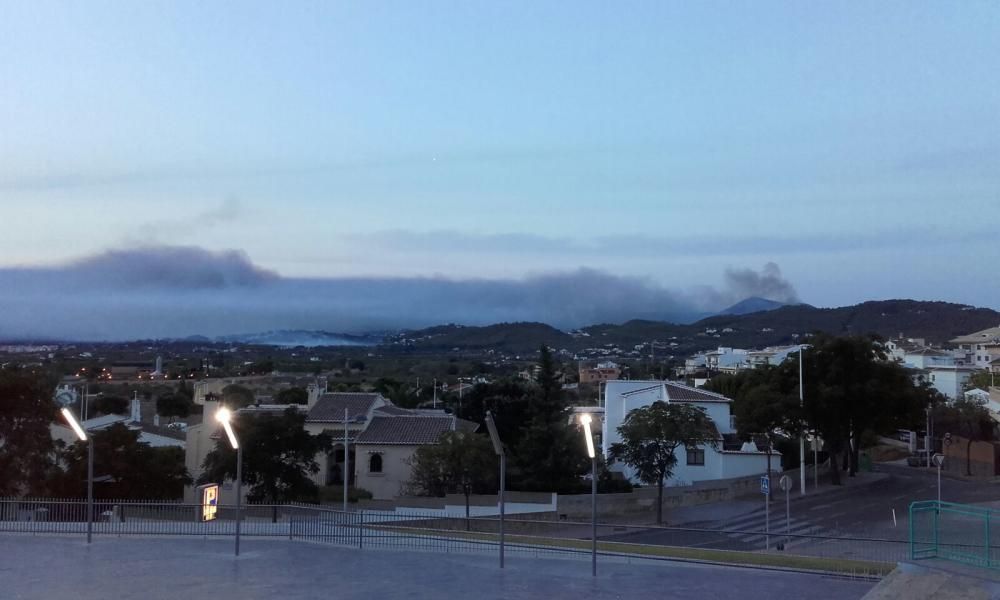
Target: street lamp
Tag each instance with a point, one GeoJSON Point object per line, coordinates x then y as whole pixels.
{"type": "Point", "coordinates": [585, 420]}
{"type": "Point", "coordinates": [224, 416]}
{"type": "Point", "coordinates": [80, 433]}
{"type": "Point", "coordinates": [498, 448]}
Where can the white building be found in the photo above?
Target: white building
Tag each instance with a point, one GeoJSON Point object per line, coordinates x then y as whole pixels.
{"type": "Point", "coordinates": [950, 380]}
{"type": "Point", "coordinates": [980, 348]}
{"type": "Point", "coordinates": [154, 436]}
{"type": "Point", "coordinates": [730, 459]}
{"type": "Point", "coordinates": [774, 355]}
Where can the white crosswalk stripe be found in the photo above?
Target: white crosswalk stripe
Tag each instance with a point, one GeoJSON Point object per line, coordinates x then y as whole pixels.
{"type": "Point", "coordinates": [752, 529]}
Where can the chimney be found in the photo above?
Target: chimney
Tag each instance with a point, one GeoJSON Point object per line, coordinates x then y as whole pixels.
{"type": "Point", "coordinates": [136, 414]}
{"type": "Point", "coordinates": [314, 393]}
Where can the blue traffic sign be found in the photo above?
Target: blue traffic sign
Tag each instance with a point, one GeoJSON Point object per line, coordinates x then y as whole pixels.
{"type": "Point", "coordinates": [765, 485]}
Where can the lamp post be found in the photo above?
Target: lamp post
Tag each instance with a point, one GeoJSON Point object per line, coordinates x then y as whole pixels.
{"type": "Point", "coordinates": [802, 434]}
{"type": "Point", "coordinates": [347, 464]}
{"type": "Point", "coordinates": [80, 433]}
{"type": "Point", "coordinates": [585, 420]}
{"type": "Point", "coordinates": [498, 448]}
{"type": "Point", "coordinates": [224, 416]}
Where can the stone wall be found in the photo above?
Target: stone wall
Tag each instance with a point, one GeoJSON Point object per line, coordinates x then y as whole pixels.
{"type": "Point", "coordinates": [642, 500]}
{"type": "Point", "coordinates": [983, 458]}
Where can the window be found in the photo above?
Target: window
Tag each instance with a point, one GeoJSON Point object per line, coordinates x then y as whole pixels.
{"type": "Point", "coordinates": [375, 463]}
{"type": "Point", "coordinates": [696, 457]}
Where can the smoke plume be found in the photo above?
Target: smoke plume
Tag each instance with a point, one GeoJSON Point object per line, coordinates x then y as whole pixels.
{"type": "Point", "coordinates": [169, 291]}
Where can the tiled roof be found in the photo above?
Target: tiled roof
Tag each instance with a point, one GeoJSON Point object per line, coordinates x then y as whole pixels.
{"type": "Point", "coordinates": [329, 408]}
{"type": "Point", "coordinates": [406, 430]}
{"type": "Point", "coordinates": [980, 337]}
{"type": "Point", "coordinates": [392, 410]}
{"type": "Point", "coordinates": [683, 393]}
{"type": "Point", "coordinates": [466, 426]}
{"type": "Point", "coordinates": [923, 351]}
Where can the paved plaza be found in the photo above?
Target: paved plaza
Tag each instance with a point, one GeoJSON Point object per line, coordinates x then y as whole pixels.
{"type": "Point", "coordinates": [53, 568]}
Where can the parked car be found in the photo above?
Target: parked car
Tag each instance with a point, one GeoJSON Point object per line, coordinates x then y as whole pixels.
{"type": "Point", "coordinates": [917, 459]}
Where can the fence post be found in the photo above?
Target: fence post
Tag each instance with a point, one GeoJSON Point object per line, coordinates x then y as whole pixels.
{"type": "Point", "coordinates": [989, 558]}
{"type": "Point", "coordinates": [937, 512]}
{"type": "Point", "coordinates": [361, 529]}
{"type": "Point", "coordinates": [913, 549]}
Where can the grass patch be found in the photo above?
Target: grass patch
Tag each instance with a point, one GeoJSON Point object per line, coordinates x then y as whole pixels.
{"type": "Point", "coordinates": [729, 557]}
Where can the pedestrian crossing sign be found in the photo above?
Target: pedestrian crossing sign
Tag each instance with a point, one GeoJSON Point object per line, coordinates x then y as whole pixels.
{"type": "Point", "coordinates": [209, 501]}
{"type": "Point", "coordinates": [765, 485]}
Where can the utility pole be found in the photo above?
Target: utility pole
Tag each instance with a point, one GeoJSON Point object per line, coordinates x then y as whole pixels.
{"type": "Point", "coordinates": [927, 437]}
{"type": "Point", "coordinates": [435, 393]}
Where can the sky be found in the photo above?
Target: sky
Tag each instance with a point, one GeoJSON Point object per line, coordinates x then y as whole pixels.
{"type": "Point", "coordinates": [662, 149]}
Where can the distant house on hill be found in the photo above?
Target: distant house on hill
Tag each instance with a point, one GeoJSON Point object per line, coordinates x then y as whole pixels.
{"type": "Point", "coordinates": [602, 371]}
{"type": "Point", "coordinates": [980, 348]}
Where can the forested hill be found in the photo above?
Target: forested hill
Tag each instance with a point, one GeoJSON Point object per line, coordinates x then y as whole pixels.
{"type": "Point", "coordinates": [937, 322]}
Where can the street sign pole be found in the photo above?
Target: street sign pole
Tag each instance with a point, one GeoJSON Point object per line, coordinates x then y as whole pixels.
{"type": "Point", "coordinates": [786, 485]}
{"type": "Point", "coordinates": [939, 461]}
{"type": "Point", "coordinates": [765, 489]}
{"type": "Point", "coordinates": [498, 448]}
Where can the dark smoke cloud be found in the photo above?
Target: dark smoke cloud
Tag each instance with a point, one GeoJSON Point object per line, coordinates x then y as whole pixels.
{"type": "Point", "coordinates": [164, 291]}
{"type": "Point", "coordinates": [170, 268]}
{"type": "Point", "coordinates": [768, 283]}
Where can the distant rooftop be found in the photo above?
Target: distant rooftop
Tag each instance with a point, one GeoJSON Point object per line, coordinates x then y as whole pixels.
{"type": "Point", "coordinates": [330, 407]}
{"type": "Point", "coordinates": [406, 430]}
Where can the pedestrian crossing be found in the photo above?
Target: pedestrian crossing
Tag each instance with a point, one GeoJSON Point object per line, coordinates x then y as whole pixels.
{"type": "Point", "coordinates": [752, 530]}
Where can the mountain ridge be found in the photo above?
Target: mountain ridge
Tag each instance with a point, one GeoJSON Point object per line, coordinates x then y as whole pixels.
{"type": "Point", "coordinates": [935, 321]}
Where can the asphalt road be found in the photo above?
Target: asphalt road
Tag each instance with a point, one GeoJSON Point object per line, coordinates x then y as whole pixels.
{"type": "Point", "coordinates": [856, 512]}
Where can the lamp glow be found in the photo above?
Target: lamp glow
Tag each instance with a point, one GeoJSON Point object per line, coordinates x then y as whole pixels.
{"type": "Point", "coordinates": [585, 420]}
{"type": "Point", "coordinates": [80, 433]}
{"type": "Point", "coordinates": [224, 416]}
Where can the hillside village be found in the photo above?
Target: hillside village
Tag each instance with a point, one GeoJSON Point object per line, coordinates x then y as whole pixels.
{"type": "Point", "coordinates": [388, 421]}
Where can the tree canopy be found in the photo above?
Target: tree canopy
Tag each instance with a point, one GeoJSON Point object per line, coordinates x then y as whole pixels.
{"type": "Point", "coordinates": [26, 448]}
{"type": "Point", "coordinates": [236, 396]}
{"type": "Point", "coordinates": [279, 456]}
{"type": "Point", "coordinates": [460, 462]}
{"type": "Point", "coordinates": [651, 436]}
{"type": "Point", "coordinates": [967, 419]}
{"type": "Point", "coordinates": [549, 454]}
{"type": "Point", "coordinates": [851, 389]}
{"type": "Point", "coordinates": [111, 405]}
{"type": "Point", "coordinates": [294, 395]}
{"type": "Point", "coordinates": [173, 405]}
{"type": "Point", "coordinates": [125, 467]}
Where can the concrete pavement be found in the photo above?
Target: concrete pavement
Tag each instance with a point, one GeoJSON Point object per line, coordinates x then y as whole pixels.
{"type": "Point", "coordinates": [53, 568]}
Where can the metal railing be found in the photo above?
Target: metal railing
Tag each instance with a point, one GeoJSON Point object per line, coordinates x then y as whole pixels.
{"type": "Point", "coordinates": [955, 532]}
{"type": "Point", "coordinates": [436, 532]}
{"type": "Point", "coordinates": [131, 517]}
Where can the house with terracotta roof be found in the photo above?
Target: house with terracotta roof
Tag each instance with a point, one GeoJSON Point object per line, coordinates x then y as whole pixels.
{"type": "Point", "coordinates": [386, 446]}
{"type": "Point", "coordinates": [376, 437]}
{"type": "Point", "coordinates": [732, 458]}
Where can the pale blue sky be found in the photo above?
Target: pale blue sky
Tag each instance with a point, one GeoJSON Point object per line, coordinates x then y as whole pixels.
{"type": "Point", "coordinates": [855, 144]}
